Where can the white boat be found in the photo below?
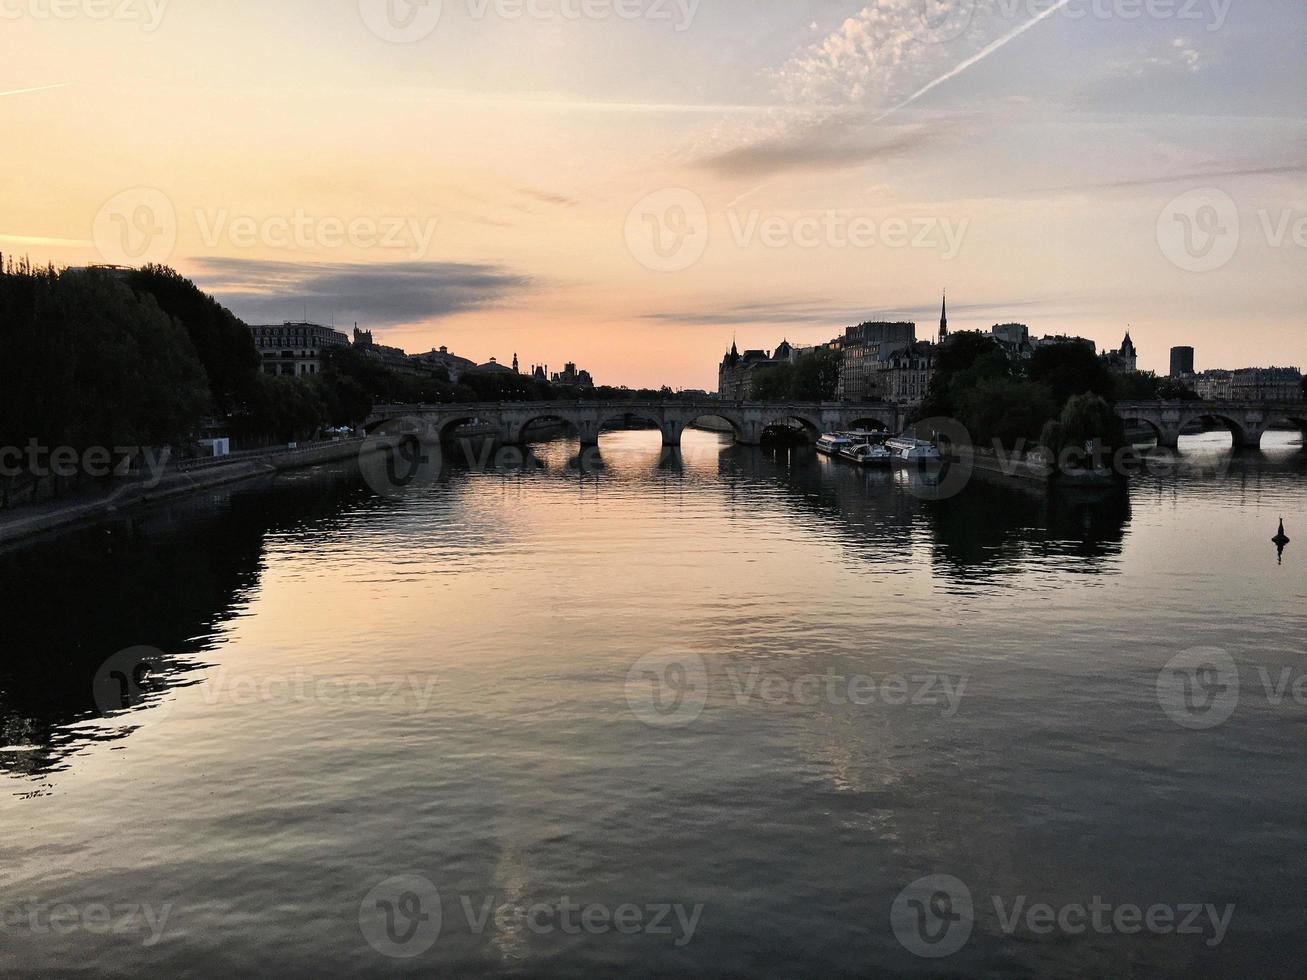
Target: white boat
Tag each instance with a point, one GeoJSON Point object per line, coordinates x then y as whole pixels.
{"type": "Point", "coordinates": [869, 454]}
{"type": "Point", "coordinates": [833, 443]}
{"type": "Point", "coordinates": [906, 449]}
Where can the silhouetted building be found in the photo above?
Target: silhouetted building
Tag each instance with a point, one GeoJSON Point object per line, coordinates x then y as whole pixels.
{"type": "Point", "coordinates": [1272, 384]}
{"type": "Point", "coordinates": [863, 347]}
{"type": "Point", "coordinates": [442, 359]}
{"type": "Point", "coordinates": [295, 349]}
{"type": "Point", "coordinates": [1123, 361]}
{"type": "Point", "coordinates": [735, 375]}
{"type": "Point", "coordinates": [1182, 362]}
{"type": "Point", "coordinates": [572, 377]}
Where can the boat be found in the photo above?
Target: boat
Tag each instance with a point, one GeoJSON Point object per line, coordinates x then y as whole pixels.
{"type": "Point", "coordinates": [833, 443]}
{"type": "Point", "coordinates": [868, 454]}
{"type": "Point", "coordinates": [906, 449]}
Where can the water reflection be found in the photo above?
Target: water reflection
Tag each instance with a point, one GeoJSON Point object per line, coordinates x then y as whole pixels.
{"type": "Point", "coordinates": [172, 578]}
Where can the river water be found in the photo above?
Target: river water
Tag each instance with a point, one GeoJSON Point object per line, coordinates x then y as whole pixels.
{"type": "Point", "coordinates": [731, 712]}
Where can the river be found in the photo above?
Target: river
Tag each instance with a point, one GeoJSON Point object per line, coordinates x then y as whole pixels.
{"type": "Point", "coordinates": [730, 711]}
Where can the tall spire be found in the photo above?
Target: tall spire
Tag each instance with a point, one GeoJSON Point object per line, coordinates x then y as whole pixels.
{"type": "Point", "coordinates": [943, 320]}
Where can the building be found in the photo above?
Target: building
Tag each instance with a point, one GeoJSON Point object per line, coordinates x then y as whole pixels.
{"type": "Point", "coordinates": [1123, 361]}
{"type": "Point", "coordinates": [491, 367]}
{"type": "Point", "coordinates": [1213, 385]}
{"type": "Point", "coordinates": [393, 356]}
{"type": "Point", "coordinates": [572, 377]}
{"type": "Point", "coordinates": [865, 347]}
{"type": "Point", "coordinates": [904, 373]}
{"type": "Point", "coordinates": [1182, 362]}
{"type": "Point", "coordinates": [735, 375]}
{"type": "Point", "coordinates": [295, 349]}
{"type": "Point", "coordinates": [1272, 384]}
{"type": "Point", "coordinates": [442, 360]}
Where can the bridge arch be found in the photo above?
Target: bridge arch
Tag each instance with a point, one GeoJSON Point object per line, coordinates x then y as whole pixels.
{"type": "Point", "coordinates": [812, 428]}
{"type": "Point", "coordinates": [736, 424]}
{"type": "Point", "coordinates": [869, 423]}
{"type": "Point", "coordinates": [607, 418]}
{"type": "Point", "coordinates": [1130, 418]}
{"type": "Point", "coordinates": [1293, 420]}
{"type": "Point", "coordinates": [517, 432]}
{"type": "Point", "coordinates": [1238, 433]}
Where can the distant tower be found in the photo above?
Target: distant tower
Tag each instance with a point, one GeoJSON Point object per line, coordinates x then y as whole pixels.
{"type": "Point", "coordinates": [1182, 361]}
{"type": "Point", "coordinates": [943, 320]}
{"type": "Point", "coordinates": [516, 366]}
{"type": "Point", "coordinates": [1129, 355]}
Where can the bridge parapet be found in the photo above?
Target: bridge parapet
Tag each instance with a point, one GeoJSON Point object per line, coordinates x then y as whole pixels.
{"type": "Point", "coordinates": [673, 416]}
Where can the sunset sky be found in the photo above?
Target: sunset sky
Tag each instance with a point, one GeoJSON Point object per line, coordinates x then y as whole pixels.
{"type": "Point", "coordinates": [628, 184]}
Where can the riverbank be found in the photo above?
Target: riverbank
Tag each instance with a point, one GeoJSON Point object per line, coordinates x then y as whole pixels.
{"type": "Point", "coordinates": [177, 482]}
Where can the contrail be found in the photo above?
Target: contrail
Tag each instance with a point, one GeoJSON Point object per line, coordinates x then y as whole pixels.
{"type": "Point", "coordinates": [39, 88]}
{"type": "Point", "coordinates": [974, 59]}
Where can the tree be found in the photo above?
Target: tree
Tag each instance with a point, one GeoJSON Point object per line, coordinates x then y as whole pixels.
{"type": "Point", "coordinates": [816, 376]}
{"type": "Point", "coordinates": [1005, 410]}
{"type": "Point", "coordinates": [1069, 369]}
{"type": "Point", "coordinates": [223, 343]}
{"type": "Point", "coordinates": [962, 362]}
{"type": "Point", "coordinates": [1173, 389]}
{"type": "Point", "coordinates": [1137, 386]}
{"type": "Point", "coordinates": [1086, 419]}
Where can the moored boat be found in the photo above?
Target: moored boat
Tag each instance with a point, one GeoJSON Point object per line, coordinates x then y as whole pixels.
{"type": "Point", "coordinates": [906, 449]}
{"type": "Point", "coordinates": [868, 454]}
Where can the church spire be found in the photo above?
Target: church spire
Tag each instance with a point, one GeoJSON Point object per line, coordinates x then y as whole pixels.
{"type": "Point", "coordinates": [943, 320]}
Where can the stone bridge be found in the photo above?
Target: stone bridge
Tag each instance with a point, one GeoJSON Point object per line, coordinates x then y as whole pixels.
{"type": "Point", "coordinates": [672, 417]}
{"type": "Point", "coordinates": [1247, 421]}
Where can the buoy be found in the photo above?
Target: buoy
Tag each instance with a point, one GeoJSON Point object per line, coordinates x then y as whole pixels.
{"type": "Point", "coordinates": [1281, 538]}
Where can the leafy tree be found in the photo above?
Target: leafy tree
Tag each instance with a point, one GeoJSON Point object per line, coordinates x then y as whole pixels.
{"type": "Point", "coordinates": [1173, 389]}
{"type": "Point", "coordinates": [1069, 369]}
{"type": "Point", "coordinates": [223, 343]}
{"type": "Point", "coordinates": [1137, 386]}
{"type": "Point", "coordinates": [1086, 419]}
{"type": "Point", "coordinates": [816, 376]}
{"type": "Point", "coordinates": [1006, 410]}
{"type": "Point", "coordinates": [962, 363]}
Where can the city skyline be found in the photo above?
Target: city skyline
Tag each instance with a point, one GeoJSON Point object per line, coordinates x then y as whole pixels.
{"type": "Point", "coordinates": [532, 183]}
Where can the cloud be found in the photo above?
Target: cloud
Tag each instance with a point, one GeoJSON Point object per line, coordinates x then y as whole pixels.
{"type": "Point", "coordinates": [546, 197]}
{"type": "Point", "coordinates": [836, 317]}
{"type": "Point", "coordinates": [382, 295]}
{"type": "Point", "coordinates": [831, 144]}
